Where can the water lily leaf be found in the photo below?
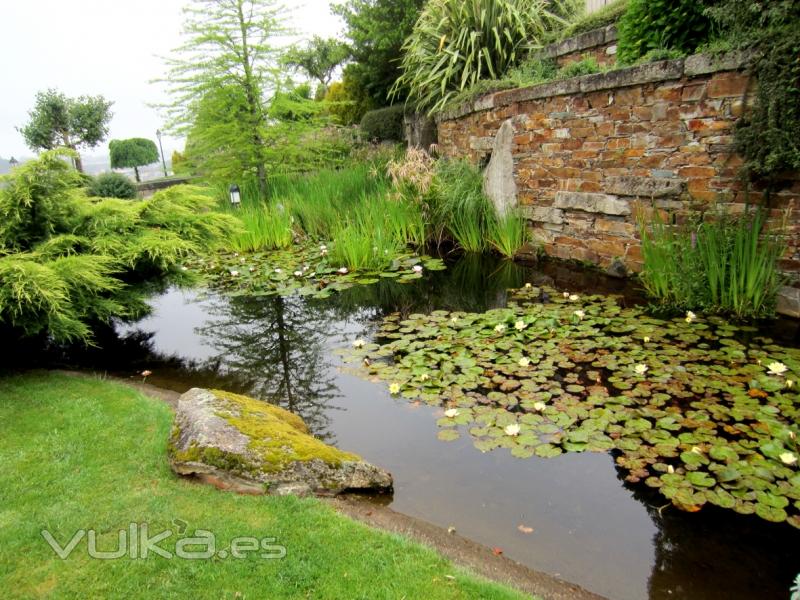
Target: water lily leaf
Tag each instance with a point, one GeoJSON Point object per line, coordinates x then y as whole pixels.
{"type": "Point", "coordinates": [448, 435]}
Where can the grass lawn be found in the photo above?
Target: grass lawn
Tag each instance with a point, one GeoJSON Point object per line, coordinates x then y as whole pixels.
{"type": "Point", "coordinates": [81, 453]}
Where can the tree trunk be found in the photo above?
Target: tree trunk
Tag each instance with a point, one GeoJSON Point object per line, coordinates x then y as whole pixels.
{"type": "Point", "coordinates": [68, 143]}
{"type": "Point", "coordinates": [136, 172]}
{"type": "Point", "coordinates": [253, 105]}
{"type": "Point", "coordinates": [78, 162]}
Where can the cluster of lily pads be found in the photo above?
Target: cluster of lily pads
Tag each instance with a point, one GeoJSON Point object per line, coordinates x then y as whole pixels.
{"type": "Point", "coordinates": [301, 270]}
{"type": "Point", "coordinates": [689, 406]}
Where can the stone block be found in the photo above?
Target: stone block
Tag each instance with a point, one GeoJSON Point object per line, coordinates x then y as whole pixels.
{"type": "Point", "coordinates": [592, 202]}
{"type": "Point", "coordinates": [498, 180]}
{"type": "Point", "coordinates": [647, 187]}
{"type": "Point", "coordinates": [544, 214]}
{"type": "Point", "coordinates": [789, 302]}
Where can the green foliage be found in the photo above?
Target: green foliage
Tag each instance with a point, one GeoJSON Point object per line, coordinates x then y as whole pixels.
{"type": "Point", "coordinates": [318, 59]}
{"type": "Point", "coordinates": [768, 137]}
{"type": "Point", "coordinates": [384, 124]}
{"type": "Point", "coordinates": [458, 208]}
{"type": "Point", "coordinates": [70, 122]}
{"type": "Point", "coordinates": [723, 264]}
{"type": "Point", "coordinates": [508, 233]}
{"type": "Point", "coordinates": [132, 153]}
{"type": "Point", "coordinates": [376, 30]}
{"type": "Point", "coordinates": [347, 101]}
{"type": "Point", "coordinates": [607, 15]}
{"type": "Point", "coordinates": [112, 185]}
{"type": "Point", "coordinates": [217, 80]}
{"type": "Point", "coordinates": [585, 66]}
{"type": "Point", "coordinates": [652, 24]}
{"type": "Point", "coordinates": [68, 262]}
{"type": "Point", "coordinates": [454, 44]}
{"type": "Point", "coordinates": [264, 228]}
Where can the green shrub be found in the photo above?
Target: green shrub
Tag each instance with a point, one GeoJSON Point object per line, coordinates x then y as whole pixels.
{"type": "Point", "coordinates": [670, 24]}
{"type": "Point", "coordinates": [455, 44]}
{"type": "Point", "coordinates": [68, 262]}
{"type": "Point", "coordinates": [586, 66]}
{"type": "Point", "coordinates": [384, 124]}
{"type": "Point", "coordinates": [112, 185]}
{"type": "Point", "coordinates": [722, 264]}
{"type": "Point", "coordinates": [611, 13]}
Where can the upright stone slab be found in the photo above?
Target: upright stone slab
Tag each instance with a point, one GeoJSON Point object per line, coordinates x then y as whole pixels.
{"type": "Point", "coordinates": [235, 442]}
{"type": "Point", "coordinates": [498, 180]}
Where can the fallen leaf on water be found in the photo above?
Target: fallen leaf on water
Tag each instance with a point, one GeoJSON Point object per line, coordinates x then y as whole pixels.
{"type": "Point", "coordinates": [757, 393]}
{"type": "Point", "coordinates": [451, 529]}
{"type": "Point", "coordinates": [525, 528]}
{"type": "Point", "coordinates": [497, 551]}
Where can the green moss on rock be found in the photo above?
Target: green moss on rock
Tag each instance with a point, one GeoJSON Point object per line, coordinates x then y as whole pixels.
{"type": "Point", "coordinates": [277, 436]}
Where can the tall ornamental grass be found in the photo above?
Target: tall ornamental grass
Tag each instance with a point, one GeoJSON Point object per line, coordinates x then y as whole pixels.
{"type": "Point", "coordinates": [724, 264]}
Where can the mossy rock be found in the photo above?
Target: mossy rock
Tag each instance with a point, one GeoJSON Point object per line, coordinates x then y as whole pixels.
{"type": "Point", "coordinates": [236, 442]}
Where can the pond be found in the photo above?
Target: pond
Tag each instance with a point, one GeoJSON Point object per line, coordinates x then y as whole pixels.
{"type": "Point", "coordinates": [573, 515]}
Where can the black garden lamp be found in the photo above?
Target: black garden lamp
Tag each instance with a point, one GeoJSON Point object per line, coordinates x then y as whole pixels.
{"type": "Point", "coordinates": [236, 199]}
{"type": "Point", "coordinates": [13, 162]}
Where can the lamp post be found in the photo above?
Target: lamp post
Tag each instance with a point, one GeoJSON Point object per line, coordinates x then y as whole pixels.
{"type": "Point", "coordinates": [236, 199]}
{"type": "Point", "coordinates": [13, 162]}
{"type": "Point", "coordinates": [161, 148]}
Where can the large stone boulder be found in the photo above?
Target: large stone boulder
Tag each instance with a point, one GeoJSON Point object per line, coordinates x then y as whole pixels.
{"type": "Point", "coordinates": [498, 179]}
{"type": "Point", "coordinates": [236, 442]}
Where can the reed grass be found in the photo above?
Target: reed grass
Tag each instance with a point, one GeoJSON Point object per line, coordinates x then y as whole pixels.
{"type": "Point", "coordinates": [508, 233]}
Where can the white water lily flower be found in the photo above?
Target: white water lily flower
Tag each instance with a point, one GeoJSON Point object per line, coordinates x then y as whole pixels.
{"type": "Point", "coordinates": [777, 368]}
{"type": "Point", "coordinates": [343, 270]}
{"type": "Point", "coordinates": [789, 383]}
{"type": "Point", "coordinates": [451, 413]}
{"type": "Point", "coordinates": [184, 268]}
{"type": "Point", "coordinates": [234, 273]}
{"type": "Point", "coordinates": [640, 369]}
{"type": "Point", "coordinates": [424, 377]}
{"type": "Point", "coordinates": [524, 361]}
{"type": "Point", "coordinates": [278, 271]}
{"type": "Point", "coordinates": [512, 429]}
{"type": "Point", "coordinates": [323, 247]}
{"type": "Point", "coordinates": [788, 458]}
{"type": "Point", "coordinates": [323, 252]}
{"type": "Point", "coordinates": [298, 273]}
{"type": "Point", "coordinates": [454, 319]}
{"type": "Point", "coordinates": [574, 297]}
{"type": "Point", "coordinates": [646, 339]}
{"type": "Point", "coordinates": [252, 269]}
{"type": "Point", "coordinates": [539, 406]}
{"type": "Point", "coordinates": [499, 328]}
{"type": "Point", "coordinates": [565, 294]}
{"type": "Point", "coordinates": [690, 316]}
{"type": "Point", "coordinates": [520, 325]}
{"type": "Point", "coordinates": [417, 268]}
{"type": "Point", "coordinates": [580, 314]}
{"type": "Point", "coordinates": [359, 343]}
{"type": "Point", "coordinates": [670, 469]}
{"type": "Point", "coordinates": [394, 388]}
{"type": "Point", "coordinates": [696, 450]}
{"type": "Point", "coordinates": [528, 285]}
{"type": "Point", "coordinates": [242, 260]}
{"type": "Point", "coordinates": [236, 254]}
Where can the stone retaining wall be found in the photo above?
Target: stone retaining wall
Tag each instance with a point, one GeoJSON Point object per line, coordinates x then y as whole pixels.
{"type": "Point", "coordinates": [589, 153]}
{"type": "Point", "coordinates": [601, 44]}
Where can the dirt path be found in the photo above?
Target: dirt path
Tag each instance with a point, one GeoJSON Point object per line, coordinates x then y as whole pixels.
{"type": "Point", "coordinates": [460, 550]}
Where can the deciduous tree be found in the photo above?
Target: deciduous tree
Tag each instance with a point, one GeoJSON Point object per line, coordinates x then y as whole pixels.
{"type": "Point", "coordinates": [133, 152]}
{"type": "Point", "coordinates": [57, 120]}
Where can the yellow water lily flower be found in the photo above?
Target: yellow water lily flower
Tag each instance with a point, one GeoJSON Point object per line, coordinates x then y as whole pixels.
{"type": "Point", "coordinates": [690, 316]}
{"type": "Point", "coordinates": [777, 368]}
{"type": "Point", "coordinates": [789, 383]}
{"type": "Point", "coordinates": [646, 339]}
{"type": "Point", "coordinates": [451, 413]}
{"type": "Point", "coordinates": [394, 388]}
{"type": "Point", "coordinates": [512, 429]}
{"type": "Point", "coordinates": [788, 458]}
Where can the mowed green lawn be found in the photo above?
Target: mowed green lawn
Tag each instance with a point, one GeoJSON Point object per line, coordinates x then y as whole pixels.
{"type": "Point", "coordinates": [81, 453]}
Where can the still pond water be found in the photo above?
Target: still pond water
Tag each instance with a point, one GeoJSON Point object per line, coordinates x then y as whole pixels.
{"type": "Point", "coordinates": [589, 526]}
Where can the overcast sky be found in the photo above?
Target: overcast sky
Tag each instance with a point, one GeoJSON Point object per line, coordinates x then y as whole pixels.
{"type": "Point", "coordinates": [108, 47]}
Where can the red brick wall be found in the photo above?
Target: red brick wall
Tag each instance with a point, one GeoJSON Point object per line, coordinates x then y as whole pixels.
{"type": "Point", "coordinates": [589, 153]}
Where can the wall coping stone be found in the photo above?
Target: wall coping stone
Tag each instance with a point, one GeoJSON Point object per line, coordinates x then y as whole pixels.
{"type": "Point", "coordinates": [665, 70]}
{"type": "Point", "coordinates": [583, 41]}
